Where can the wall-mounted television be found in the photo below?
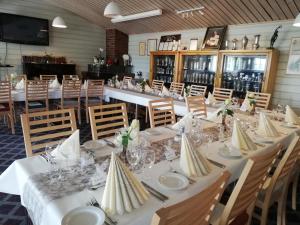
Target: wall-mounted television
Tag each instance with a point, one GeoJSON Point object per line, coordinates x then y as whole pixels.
{"type": "Point", "coordinates": [24, 30]}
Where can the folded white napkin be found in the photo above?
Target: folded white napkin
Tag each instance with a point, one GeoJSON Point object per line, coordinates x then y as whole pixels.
{"type": "Point", "coordinates": [214, 117]}
{"type": "Point", "coordinates": [240, 139]}
{"type": "Point", "coordinates": [134, 130]}
{"type": "Point", "coordinates": [85, 85]}
{"type": "Point", "coordinates": [54, 84]}
{"type": "Point", "coordinates": [246, 106]}
{"type": "Point", "coordinates": [266, 127]}
{"type": "Point", "coordinates": [122, 192]}
{"type": "Point", "coordinates": [185, 122]}
{"type": "Point", "coordinates": [130, 86]}
{"type": "Point", "coordinates": [165, 91]}
{"type": "Point", "coordinates": [291, 116]}
{"type": "Point", "coordinates": [148, 89]}
{"type": "Point", "coordinates": [69, 149]}
{"type": "Point", "coordinates": [21, 84]}
{"type": "Point", "coordinates": [210, 99]}
{"type": "Point", "coordinates": [192, 162]}
{"type": "Point", "coordinates": [118, 84]}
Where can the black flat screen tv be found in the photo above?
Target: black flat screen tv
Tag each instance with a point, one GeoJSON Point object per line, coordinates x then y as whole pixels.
{"type": "Point", "coordinates": [24, 30]}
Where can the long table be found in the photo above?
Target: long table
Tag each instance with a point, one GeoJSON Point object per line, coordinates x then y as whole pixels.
{"type": "Point", "coordinates": [134, 97]}
{"type": "Point", "coordinates": [16, 176]}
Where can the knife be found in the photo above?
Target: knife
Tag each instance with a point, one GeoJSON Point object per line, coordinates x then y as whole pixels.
{"type": "Point", "coordinates": [109, 143]}
{"type": "Point", "coordinates": [151, 189]}
{"type": "Point", "coordinates": [220, 165]}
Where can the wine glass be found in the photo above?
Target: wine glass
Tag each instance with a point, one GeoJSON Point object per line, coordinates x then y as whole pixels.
{"type": "Point", "coordinates": [133, 156]}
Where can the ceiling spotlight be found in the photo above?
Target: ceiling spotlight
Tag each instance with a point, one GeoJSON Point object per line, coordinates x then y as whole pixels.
{"type": "Point", "coordinates": [59, 22]}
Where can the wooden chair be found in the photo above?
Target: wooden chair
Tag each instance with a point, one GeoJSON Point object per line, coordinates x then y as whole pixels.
{"type": "Point", "coordinates": [222, 94]}
{"type": "Point", "coordinates": [275, 188]}
{"type": "Point", "coordinates": [48, 77]}
{"type": "Point", "coordinates": [194, 210]}
{"type": "Point", "coordinates": [70, 77]}
{"type": "Point", "coordinates": [46, 128]}
{"type": "Point", "coordinates": [177, 88]}
{"type": "Point", "coordinates": [243, 197]}
{"type": "Point", "coordinates": [157, 85]}
{"type": "Point", "coordinates": [126, 79]}
{"type": "Point", "coordinates": [70, 98]}
{"type": "Point", "coordinates": [106, 120]}
{"type": "Point", "coordinates": [93, 95]}
{"type": "Point", "coordinates": [161, 112]}
{"type": "Point", "coordinates": [36, 96]}
{"type": "Point", "coordinates": [262, 99]}
{"type": "Point", "coordinates": [196, 105]}
{"type": "Point", "coordinates": [198, 90]}
{"type": "Point", "coordinates": [6, 104]}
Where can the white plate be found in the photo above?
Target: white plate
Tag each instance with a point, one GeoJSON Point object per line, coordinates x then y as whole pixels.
{"type": "Point", "coordinates": [173, 181]}
{"type": "Point", "coordinates": [90, 145]}
{"type": "Point", "coordinates": [261, 140]}
{"type": "Point", "coordinates": [86, 215]}
{"type": "Point", "coordinates": [152, 132]}
{"type": "Point", "coordinates": [230, 152]}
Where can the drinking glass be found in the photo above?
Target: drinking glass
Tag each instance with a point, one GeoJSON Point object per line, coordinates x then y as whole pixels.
{"type": "Point", "coordinates": [133, 156]}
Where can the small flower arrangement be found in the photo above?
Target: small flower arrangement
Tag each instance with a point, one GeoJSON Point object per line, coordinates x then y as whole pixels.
{"type": "Point", "coordinates": [128, 135]}
{"type": "Point", "coordinates": [187, 91]}
{"type": "Point", "coordinates": [143, 84]}
{"type": "Point", "coordinates": [114, 80]}
{"type": "Point", "coordinates": [227, 110]}
{"type": "Point", "coordinates": [252, 103]}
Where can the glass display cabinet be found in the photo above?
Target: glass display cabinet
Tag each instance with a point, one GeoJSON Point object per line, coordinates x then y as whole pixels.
{"type": "Point", "coordinates": [247, 70]}
{"type": "Point", "coordinates": [198, 68]}
{"type": "Point", "coordinates": [163, 66]}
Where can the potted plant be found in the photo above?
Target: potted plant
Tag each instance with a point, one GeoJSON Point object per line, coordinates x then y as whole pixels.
{"type": "Point", "coordinates": [252, 103]}
{"type": "Point", "coordinates": [143, 84]}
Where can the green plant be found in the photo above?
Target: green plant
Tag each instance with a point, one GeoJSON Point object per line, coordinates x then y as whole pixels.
{"type": "Point", "coordinates": [227, 110]}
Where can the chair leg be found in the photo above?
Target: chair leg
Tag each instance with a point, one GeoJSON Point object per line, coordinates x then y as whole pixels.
{"type": "Point", "coordinates": [264, 215]}
{"type": "Point", "coordinates": [12, 124]}
{"type": "Point", "coordinates": [79, 115]}
{"type": "Point", "coordinates": [87, 115]}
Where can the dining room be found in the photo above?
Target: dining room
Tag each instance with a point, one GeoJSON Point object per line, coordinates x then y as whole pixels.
{"type": "Point", "coordinates": [128, 112]}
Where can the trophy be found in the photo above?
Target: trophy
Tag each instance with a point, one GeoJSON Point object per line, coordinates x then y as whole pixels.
{"type": "Point", "coordinates": [234, 41]}
{"type": "Point", "coordinates": [256, 41]}
{"type": "Point", "coordinates": [245, 42]}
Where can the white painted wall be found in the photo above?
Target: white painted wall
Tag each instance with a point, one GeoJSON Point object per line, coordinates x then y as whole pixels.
{"type": "Point", "coordinates": [287, 88]}
{"type": "Point", "coordinates": [78, 43]}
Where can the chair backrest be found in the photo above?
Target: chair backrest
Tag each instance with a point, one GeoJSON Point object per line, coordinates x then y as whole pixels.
{"type": "Point", "coordinates": [177, 88]}
{"type": "Point", "coordinates": [126, 79]}
{"type": "Point", "coordinates": [161, 112]}
{"type": "Point", "coordinates": [48, 77]}
{"type": "Point", "coordinates": [196, 105]}
{"type": "Point", "coordinates": [95, 88]}
{"type": "Point", "coordinates": [221, 94]}
{"type": "Point", "coordinates": [250, 182]}
{"type": "Point", "coordinates": [286, 165]}
{"type": "Point", "coordinates": [70, 77]}
{"type": "Point", "coordinates": [5, 92]}
{"type": "Point", "coordinates": [157, 85]}
{"type": "Point", "coordinates": [262, 99]}
{"type": "Point", "coordinates": [71, 89]}
{"type": "Point", "coordinates": [106, 120]}
{"type": "Point", "coordinates": [36, 90]}
{"type": "Point", "coordinates": [198, 90]}
{"type": "Point", "coordinates": [194, 210]}
{"type": "Point", "coordinates": [46, 128]}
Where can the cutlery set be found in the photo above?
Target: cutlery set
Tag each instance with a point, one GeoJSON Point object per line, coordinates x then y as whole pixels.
{"type": "Point", "coordinates": [155, 193]}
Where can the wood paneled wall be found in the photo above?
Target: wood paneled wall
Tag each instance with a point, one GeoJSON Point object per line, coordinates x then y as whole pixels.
{"type": "Point", "coordinates": [287, 87]}
{"type": "Point", "coordinates": [78, 43]}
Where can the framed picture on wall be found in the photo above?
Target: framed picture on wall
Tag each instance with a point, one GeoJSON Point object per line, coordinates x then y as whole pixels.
{"type": "Point", "coordinates": [214, 37]}
{"type": "Point", "coordinates": [293, 66]}
{"type": "Point", "coordinates": [142, 48]}
{"type": "Point", "coordinates": [151, 45]}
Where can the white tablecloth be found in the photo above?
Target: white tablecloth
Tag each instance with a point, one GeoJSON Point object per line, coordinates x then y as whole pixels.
{"type": "Point", "coordinates": [14, 178]}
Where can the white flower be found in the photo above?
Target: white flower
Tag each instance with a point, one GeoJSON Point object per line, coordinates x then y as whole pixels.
{"type": "Point", "coordinates": [101, 49]}
{"type": "Point", "coordinates": [227, 101]}
{"type": "Point", "coordinates": [251, 95]}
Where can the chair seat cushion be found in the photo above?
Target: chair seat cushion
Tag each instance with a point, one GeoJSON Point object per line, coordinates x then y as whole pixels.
{"type": "Point", "coordinates": [4, 107]}
{"type": "Point", "coordinates": [36, 105]}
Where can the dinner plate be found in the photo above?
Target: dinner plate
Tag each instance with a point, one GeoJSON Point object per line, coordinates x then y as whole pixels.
{"type": "Point", "coordinates": [152, 132]}
{"type": "Point", "coordinates": [262, 140]}
{"type": "Point", "coordinates": [230, 152]}
{"type": "Point", "coordinates": [173, 181]}
{"type": "Point", "coordinates": [87, 215]}
{"type": "Point", "coordinates": [91, 145]}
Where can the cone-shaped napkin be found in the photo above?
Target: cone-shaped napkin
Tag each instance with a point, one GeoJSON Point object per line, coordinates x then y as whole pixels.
{"type": "Point", "coordinates": [85, 85]}
{"type": "Point", "coordinates": [215, 117]}
{"type": "Point", "coordinates": [266, 127]}
{"type": "Point", "coordinates": [192, 163]}
{"type": "Point", "coordinates": [118, 84]}
{"type": "Point", "coordinates": [185, 122]}
{"type": "Point", "coordinates": [20, 84]}
{"type": "Point", "coordinates": [54, 84]}
{"type": "Point", "coordinates": [291, 116]}
{"type": "Point", "coordinates": [69, 149]}
{"type": "Point", "coordinates": [122, 192]}
{"type": "Point", "coordinates": [246, 106]}
{"type": "Point", "coordinates": [134, 130]}
{"type": "Point", "coordinates": [130, 86]}
{"type": "Point", "coordinates": [210, 99]}
{"type": "Point", "coordinates": [165, 91]}
{"type": "Point", "coordinates": [148, 89]}
{"type": "Point", "coordinates": [240, 139]}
